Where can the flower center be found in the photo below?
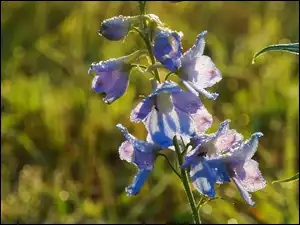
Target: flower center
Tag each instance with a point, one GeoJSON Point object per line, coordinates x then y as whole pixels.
{"type": "Point", "coordinates": [163, 103]}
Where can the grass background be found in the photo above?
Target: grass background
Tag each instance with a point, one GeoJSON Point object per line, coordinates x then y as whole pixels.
{"type": "Point", "coordinates": [59, 143]}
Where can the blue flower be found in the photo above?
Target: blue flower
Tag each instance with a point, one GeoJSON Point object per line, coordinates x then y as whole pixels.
{"type": "Point", "coordinates": [197, 71]}
{"type": "Point", "coordinates": [168, 111]}
{"type": "Point", "coordinates": [139, 153]}
{"type": "Point", "coordinates": [219, 156]}
{"type": "Point", "coordinates": [112, 76]}
{"type": "Point", "coordinates": [167, 48]}
{"type": "Point", "coordinates": [205, 173]}
{"type": "Point", "coordinates": [116, 28]}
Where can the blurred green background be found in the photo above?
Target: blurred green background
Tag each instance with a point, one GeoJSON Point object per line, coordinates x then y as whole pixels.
{"type": "Point", "coordinates": [59, 143]}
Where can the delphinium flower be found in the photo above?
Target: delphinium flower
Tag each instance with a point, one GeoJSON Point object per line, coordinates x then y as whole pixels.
{"type": "Point", "coordinates": [219, 156]}
{"type": "Point", "coordinates": [167, 48]}
{"type": "Point", "coordinates": [139, 153]}
{"type": "Point", "coordinates": [112, 76]}
{"type": "Point", "coordinates": [168, 110]}
{"type": "Point", "coordinates": [196, 71]}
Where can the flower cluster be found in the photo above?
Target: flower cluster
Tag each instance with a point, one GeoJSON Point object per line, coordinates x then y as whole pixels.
{"type": "Point", "coordinates": [170, 111]}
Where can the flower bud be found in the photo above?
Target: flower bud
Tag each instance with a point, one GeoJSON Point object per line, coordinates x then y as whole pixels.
{"type": "Point", "coordinates": [116, 28]}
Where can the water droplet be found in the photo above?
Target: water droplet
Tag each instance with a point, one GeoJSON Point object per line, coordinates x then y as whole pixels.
{"type": "Point", "coordinates": [232, 221]}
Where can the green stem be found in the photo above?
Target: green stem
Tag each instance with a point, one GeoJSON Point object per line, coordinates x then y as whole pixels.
{"type": "Point", "coordinates": [167, 76]}
{"type": "Point", "coordinates": [185, 182]}
{"type": "Point", "coordinates": [142, 5]}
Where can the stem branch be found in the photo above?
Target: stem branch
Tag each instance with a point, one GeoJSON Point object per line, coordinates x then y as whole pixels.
{"type": "Point", "coordinates": [170, 164]}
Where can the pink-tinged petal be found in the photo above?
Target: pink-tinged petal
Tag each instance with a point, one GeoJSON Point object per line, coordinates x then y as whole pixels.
{"type": "Point", "coordinates": [142, 110]}
{"type": "Point", "coordinates": [249, 175]}
{"type": "Point", "coordinates": [246, 196]}
{"type": "Point", "coordinates": [138, 152]}
{"type": "Point", "coordinates": [202, 119]}
{"type": "Point", "coordinates": [227, 139]}
{"type": "Point", "coordinates": [126, 151]}
{"type": "Point", "coordinates": [201, 71]}
{"type": "Point", "coordinates": [186, 102]}
{"type": "Point", "coordinates": [207, 72]}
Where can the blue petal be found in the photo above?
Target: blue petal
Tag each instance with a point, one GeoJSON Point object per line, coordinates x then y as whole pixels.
{"type": "Point", "coordinates": [167, 49]}
{"type": "Point", "coordinates": [107, 66]}
{"type": "Point", "coordinates": [203, 177]}
{"type": "Point", "coordinates": [166, 87]}
{"type": "Point", "coordinates": [142, 110]}
{"type": "Point", "coordinates": [186, 102]}
{"type": "Point", "coordinates": [246, 196]}
{"type": "Point", "coordinates": [220, 170]}
{"type": "Point", "coordinates": [196, 50]}
{"type": "Point", "coordinates": [112, 78]}
{"type": "Point", "coordinates": [144, 160]}
{"type": "Point", "coordinates": [162, 126]}
{"type": "Point", "coordinates": [137, 182]}
{"type": "Point", "coordinates": [247, 149]}
{"type": "Point", "coordinates": [224, 126]}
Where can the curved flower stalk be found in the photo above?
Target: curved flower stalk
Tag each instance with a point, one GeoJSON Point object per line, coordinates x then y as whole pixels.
{"type": "Point", "coordinates": [118, 27]}
{"type": "Point", "coordinates": [168, 111]}
{"type": "Point", "coordinates": [223, 155]}
{"type": "Point", "coordinates": [167, 48]}
{"type": "Point", "coordinates": [112, 76]}
{"type": "Point", "coordinates": [139, 153]}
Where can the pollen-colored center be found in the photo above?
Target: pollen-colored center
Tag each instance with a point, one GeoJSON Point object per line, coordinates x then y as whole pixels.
{"type": "Point", "coordinates": [163, 103]}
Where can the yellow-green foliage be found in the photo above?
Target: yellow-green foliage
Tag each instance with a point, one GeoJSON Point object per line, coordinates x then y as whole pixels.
{"type": "Point", "coordinates": [59, 143]}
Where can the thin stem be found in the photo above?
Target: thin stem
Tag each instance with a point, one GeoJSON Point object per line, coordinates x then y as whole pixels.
{"type": "Point", "coordinates": [142, 6]}
{"type": "Point", "coordinates": [148, 44]}
{"type": "Point", "coordinates": [185, 182]}
{"type": "Point", "coordinates": [200, 204]}
{"type": "Point", "coordinates": [140, 33]}
{"type": "Point", "coordinates": [167, 76]}
{"type": "Point", "coordinates": [138, 65]}
{"type": "Point", "coordinates": [170, 164]}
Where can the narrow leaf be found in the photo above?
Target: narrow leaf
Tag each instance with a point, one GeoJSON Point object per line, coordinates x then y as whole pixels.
{"type": "Point", "coordinates": [293, 178]}
{"type": "Point", "coordinates": [291, 48]}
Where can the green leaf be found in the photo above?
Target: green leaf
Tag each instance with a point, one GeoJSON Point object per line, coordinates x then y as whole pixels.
{"type": "Point", "coordinates": [291, 48]}
{"type": "Point", "coordinates": [293, 178]}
